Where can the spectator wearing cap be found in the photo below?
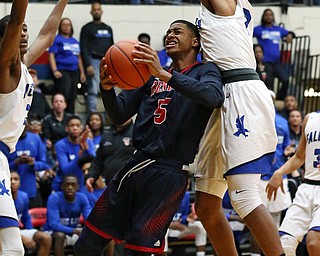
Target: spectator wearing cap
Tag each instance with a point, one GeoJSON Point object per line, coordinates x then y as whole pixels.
{"type": "Point", "coordinates": [39, 105]}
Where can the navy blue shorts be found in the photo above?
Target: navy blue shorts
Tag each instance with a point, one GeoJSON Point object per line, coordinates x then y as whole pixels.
{"type": "Point", "coordinates": [137, 207]}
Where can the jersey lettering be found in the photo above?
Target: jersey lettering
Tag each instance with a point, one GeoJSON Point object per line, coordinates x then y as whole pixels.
{"type": "Point", "coordinates": [28, 90]}
{"type": "Point", "coordinates": [159, 86]}
{"type": "Point", "coordinates": [248, 16]}
{"type": "Point", "coordinates": [317, 154]}
{"type": "Point", "coordinates": [198, 23]}
{"type": "Point", "coordinates": [160, 114]}
{"type": "Point", "coordinates": [313, 137]}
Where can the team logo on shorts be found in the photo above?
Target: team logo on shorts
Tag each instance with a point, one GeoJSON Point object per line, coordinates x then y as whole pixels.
{"type": "Point", "coordinates": [240, 127]}
{"type": "Point", "coordinates": [3, 189]}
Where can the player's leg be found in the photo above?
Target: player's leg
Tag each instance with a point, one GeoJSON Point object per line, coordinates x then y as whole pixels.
{"type": "Point", "coordinates": [156, 200]}
{"type": "Point", "coordinates": [211, 187]}
{"type": "Point", "coordinates": [209, 211]}
{"type": "Point", "coordinates": [11, 244]}
{"type": "Point", "coordinates": [10, 237]}
{"type": "Point", "coordinates": [109, 250]}
{"type": "Point", "coordinates": [44, 241]}
{"type": "Point", "coordinates": [244, 194]}
{"type": "Point", "coordinates": [201, 237]}
{"type": "Point", "coordinates": [313, 242]}
{"type": "Point", "coordinates": [90, 243]}
{"type": "Point", "coordinates": [58, 243]}
{"type": "Point", "coordinates": [289, 244]}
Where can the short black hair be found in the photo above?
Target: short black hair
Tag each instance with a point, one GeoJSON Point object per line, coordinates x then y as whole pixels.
{"type": "Point", "coordinates": [67, 176]}
{"type": "Point", "coordinates": [72, 118]}
{"type": "Point", "coordinates": [34, 117]}
{"type": "Point", "coordinates": [3, 25]}
{"type": "Point", "coordinates": [144, 35]}
{"type": "Point", "coordinates": [191, 27]}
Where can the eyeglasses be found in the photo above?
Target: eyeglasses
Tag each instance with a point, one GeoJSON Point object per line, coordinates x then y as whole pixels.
{"type": "Point", "coordinates": [35, 123]}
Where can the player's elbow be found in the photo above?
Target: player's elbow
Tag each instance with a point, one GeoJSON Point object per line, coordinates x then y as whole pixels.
{"type": "Point", "coordinates": [216, 100]}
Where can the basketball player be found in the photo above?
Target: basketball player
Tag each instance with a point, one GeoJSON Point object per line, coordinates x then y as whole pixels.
{"type": "Point", "coordinates": [303, 216]}
{"type": "Point", "coordinates": [172, 108]}
{"type": "Point", "coordinates": [16, 90]}
{"type": "Point", "coordinates": [248, 138]}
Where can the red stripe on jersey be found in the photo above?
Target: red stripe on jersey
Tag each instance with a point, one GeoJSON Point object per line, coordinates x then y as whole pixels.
{"type": "Point", "coordinates": [185, 69]}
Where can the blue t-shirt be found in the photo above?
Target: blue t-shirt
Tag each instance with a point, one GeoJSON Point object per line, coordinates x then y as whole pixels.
{"type": "Point", "coordinates": [22, 205]}
{"type": "Point", "coordinates": [183, 210]}
{"type": "Point", "coordinates": [67, 156]}
{"type": "Point", "coordinates": [63, 216]}
{"type": "Point", "coordinates": [66, 52]}
{"type": "Point", "coordinates": [31, 145]}
{"type": "Point", "coordinates": [270, 38]}
{"type": "Point", "coordinates": [283, 135]}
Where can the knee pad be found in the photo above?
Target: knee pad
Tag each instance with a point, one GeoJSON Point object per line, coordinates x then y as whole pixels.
{"type": "Point", "coordinates": [244, 201]}
{"type": "Point", "coordinates": [11, 242]}
{"type": "Point", "coordinates": [244, 193]}
{"type": "Point", "coordinates": [289, 245]}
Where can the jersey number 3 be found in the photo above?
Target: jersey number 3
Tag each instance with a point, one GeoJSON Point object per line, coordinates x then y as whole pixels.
{"type": "Point", "coordinates": [160, 114]}
{"type": "Point", "coordinates": [317, 154]}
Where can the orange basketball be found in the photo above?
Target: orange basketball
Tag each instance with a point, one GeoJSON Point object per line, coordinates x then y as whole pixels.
{"type": "Point", "coordinates": [123, 69]}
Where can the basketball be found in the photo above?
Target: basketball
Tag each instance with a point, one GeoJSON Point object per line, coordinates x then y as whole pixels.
{"type": "Point", "coordinates": [128, 74]}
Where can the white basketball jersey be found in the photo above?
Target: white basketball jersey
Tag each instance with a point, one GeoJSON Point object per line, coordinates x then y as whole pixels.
{"type": "Point", "coordinates": [312, 133]}
{"type": "Point", "coordinates": [14, 109]}
{"type": "Point", "coordinates": [227, 40]}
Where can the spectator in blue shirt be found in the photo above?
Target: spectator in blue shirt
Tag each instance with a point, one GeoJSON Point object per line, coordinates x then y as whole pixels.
{"type": "Point", "coordinates": [66, 63]}
{"type": "Point", "coordinates": [269, 36]}
{"type": "Point", "coordinates": [29, 158]}
{"type": "Point", "coordinates": [32, 238]}
{"type": "Point", "coordinates": [63, 215]}
{"type": "Point", "coordinates": [70, 149]}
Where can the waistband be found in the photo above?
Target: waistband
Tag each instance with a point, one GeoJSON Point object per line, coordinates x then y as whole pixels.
{"type": "Point", "coordinates": [168, 163]}
{"type": "Point", "coordinates": [240, 74]}
{"type": "Point", "coordinates": [4, 149]}
{"type": "Point", "coordinates": [311, 182]}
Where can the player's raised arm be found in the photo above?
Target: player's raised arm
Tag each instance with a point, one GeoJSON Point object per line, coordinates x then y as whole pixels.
{"type": "Point", "coordinates": [10, 36]}
{"type": "Point", "coordinates": [46, 35]}
{"type": "Point", "coordinates": [220, 7]}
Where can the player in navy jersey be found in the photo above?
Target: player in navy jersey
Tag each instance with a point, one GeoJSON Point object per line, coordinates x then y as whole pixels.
{"type": "Point", "coordinates": [173, 109]}
{"type": "Point", "coordinates": [16, 89]}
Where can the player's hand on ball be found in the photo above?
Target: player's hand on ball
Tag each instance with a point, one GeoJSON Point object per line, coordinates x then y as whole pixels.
{"type": "Point", "coordinates": [105, 78]}
{"type": "Point", "coordinates": [144, 54]}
